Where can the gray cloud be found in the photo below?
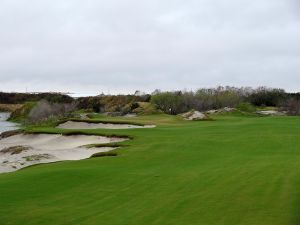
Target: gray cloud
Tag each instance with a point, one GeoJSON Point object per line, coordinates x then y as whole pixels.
{"type": "Point", "coordinates": [120, 46]}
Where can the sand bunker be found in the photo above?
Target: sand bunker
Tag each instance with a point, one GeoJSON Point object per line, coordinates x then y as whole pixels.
{"type": "Point", "coordinates": [85, 125]}
{"type": "Point", "coordinates": [271, 113]}
{"type": "Point", "coordinates": [23, 150]}
{"type": "Point", "coordinates": [194, 115]}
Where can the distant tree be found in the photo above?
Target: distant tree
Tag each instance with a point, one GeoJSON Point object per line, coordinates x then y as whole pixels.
{"type": "Point", "coordinates": [20, 98]}
{"type": "Point", "coordinates": [267, 96]}
{"type": "Point", "coordinates": [169, 102]}
{"type": "Point", "coordinates": [291, 106]}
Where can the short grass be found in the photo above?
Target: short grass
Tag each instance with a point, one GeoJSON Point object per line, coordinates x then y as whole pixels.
{"type": "Point", "coordinates": [236, 170]}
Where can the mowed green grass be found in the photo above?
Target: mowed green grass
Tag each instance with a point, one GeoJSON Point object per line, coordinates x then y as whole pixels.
{"type": "Point", "coordinates": [236, 170]}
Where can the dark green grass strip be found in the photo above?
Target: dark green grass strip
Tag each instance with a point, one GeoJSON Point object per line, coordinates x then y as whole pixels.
{"type": "Point", "coordinates": [104, 154]}
{"type": "Point", "coordinates": [105, 145]}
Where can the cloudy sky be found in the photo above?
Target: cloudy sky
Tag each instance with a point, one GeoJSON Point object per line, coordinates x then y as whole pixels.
{"type": "Point", "coordinates": [118, 46]}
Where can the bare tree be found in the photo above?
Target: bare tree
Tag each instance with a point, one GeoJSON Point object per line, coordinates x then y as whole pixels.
{"type": "Point", "coordinates": [291, 106]}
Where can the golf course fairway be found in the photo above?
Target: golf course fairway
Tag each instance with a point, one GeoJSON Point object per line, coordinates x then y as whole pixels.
{"type": "Point", "coordinates": [234, 170]}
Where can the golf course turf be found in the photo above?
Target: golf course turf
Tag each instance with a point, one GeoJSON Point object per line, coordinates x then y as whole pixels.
{"type": "Point", "coordinates": [234, 170]}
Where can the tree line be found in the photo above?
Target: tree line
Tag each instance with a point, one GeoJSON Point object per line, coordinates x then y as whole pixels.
{"type": "Point", "coordinates": [45, 105]}
{"type": "Point", "coordinates": [204, 99]}
{"type": "Point", "coordinates": [20, 98]}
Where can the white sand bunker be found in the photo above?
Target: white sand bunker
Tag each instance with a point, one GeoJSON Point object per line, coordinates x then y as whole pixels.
{"type": "Point", "coordinates": [85, 125]}
{"type": "Point", "coordinates": [23, 150]}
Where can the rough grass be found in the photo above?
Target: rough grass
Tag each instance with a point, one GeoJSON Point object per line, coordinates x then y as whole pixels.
{"type": "Point", "coordinates": [110, 145]}
{"type": "Point", "coordinates": [20, 115]}
{"type": "Point", "coordinates": [10, 107]}
{"type": "Point", "coordinates": [237, 170]}
{"type": "Point", "coordinates": [15, 149]}
{"type": "Point", "coordinates": [37, 157]}
{"type": "Point", "coordinates": [10, 133]}
{"type": "Point", "coordinates": [104, 154]}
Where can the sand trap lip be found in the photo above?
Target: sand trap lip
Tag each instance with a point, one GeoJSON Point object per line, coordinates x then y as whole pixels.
{"type": "Point", "coordinates": [46, 148]}
{"type": "Point", "coordinates": [86, 125]}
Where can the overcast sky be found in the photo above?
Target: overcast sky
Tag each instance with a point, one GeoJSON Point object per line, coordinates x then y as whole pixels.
{"type": "Point", "coordinates": [118, 46]}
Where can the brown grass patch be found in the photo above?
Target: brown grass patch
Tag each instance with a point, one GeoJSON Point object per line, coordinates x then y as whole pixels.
{"type": "Point", "coordinates": [15, 149]}
{"type": "Point", "coordinates": [10, 107]}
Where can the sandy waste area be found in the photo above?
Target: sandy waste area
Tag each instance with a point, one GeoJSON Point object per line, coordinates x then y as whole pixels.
{"type": "Point", "coordinates": [24, 150]}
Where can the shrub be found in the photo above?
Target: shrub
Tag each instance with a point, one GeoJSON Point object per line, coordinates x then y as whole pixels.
{"type": "Point", "coordinates": [201, 100]}
{"type": "Point", "coordinates": [246, 107]}
{"type": "Point", "coordinates": [169, 102]}
{"type": "Point", "coordinates": [291, 106]}
{"type": "Point", "coordinates": [45, 110]}
{"type": "Point", "coordinates": [110, 103]}
{"type": "Point", "coordinates": [20, 98]}
{"type": "Point", "coordinates": [20, 114]}
{"type": "Point", "coordinates": [267, 96]}
{"type": "Point", "coordinates": [10, 107]}
{"type": "Point", "coordinates": [146, 108]}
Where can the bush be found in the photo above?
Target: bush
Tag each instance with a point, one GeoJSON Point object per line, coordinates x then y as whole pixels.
{"type": "Point", "coordinates": [45, 110]}
{"type": "Point", "coordinates": [246, 107]}
{"type": "Point", "coordinates": [20, 98]}
{"type": "Point", "coordinates": [267, 96]}
{"type": "Point", "coordinates": [169, 102]}
{"type": "Point", "coordinates": [216, 98]}
{"type": "Point", "coordinates": [146, 108]}
{"type": "Point", "coordinates": [10, 107]}
{"type": "Point", "coordinates": [201, 100]}
{"type": "Point", "coordinates": [292, 107]}
{"type": "Point", "coordinates": [110, 103]}
{"type": "Point", "coordinates": [20, 114]}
